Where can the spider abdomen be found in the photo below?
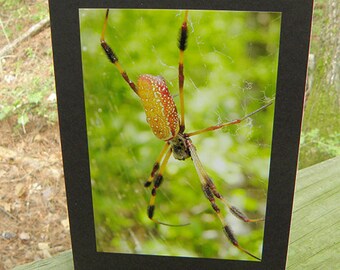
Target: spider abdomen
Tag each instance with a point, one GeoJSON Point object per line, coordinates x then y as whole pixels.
{"type": "Point", "coordinates": [159, 106]}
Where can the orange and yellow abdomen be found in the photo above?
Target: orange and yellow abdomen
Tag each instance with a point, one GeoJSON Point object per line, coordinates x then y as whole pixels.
{"type": "Point", "coordinates": [160, 108]}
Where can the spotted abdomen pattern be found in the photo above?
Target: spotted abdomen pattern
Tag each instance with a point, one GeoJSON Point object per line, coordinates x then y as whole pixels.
{"type": "Point", "coordinates": [160, 108]}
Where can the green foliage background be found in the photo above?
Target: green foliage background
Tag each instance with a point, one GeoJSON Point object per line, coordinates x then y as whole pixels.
{"type": "Point", "coordinates": [230, 70]}
{"type": "Point", "coordinates": [320, 137]}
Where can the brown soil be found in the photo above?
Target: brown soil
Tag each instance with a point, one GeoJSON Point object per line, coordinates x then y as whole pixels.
{"type": "Point", "coordinates": [33, 210]}
{"type": "Point", "coordinates": [34, 222]}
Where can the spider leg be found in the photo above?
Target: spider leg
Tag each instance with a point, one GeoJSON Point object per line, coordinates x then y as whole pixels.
{"type": "Point", "coordinates": [210, 193]}
{"type": "Point", "coordinates": [155, 167]}
{"type": "Point", "coordinates": [237, 213]}
{"type": "Point", "coordinates": [236, 121]}
{"type": "Point", "coordinates": [158, 179]}
{"type": "Point", "coordinates": [182, 44]}
{"type": "Point", "coordinates": [112, 56]}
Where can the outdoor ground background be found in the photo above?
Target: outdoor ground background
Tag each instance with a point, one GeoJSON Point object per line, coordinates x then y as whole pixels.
{"type": "Point", "coordinates": [33, 211]}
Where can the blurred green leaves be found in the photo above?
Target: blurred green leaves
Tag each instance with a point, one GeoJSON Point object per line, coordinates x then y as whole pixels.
{"type": "Point", "coordinates": [230, 69]}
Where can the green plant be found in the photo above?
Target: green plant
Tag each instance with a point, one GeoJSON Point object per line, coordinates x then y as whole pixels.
{"type": "Point", "coordinates": [25, 103]}
{"type": "Point", "coordinates": [316, 147]}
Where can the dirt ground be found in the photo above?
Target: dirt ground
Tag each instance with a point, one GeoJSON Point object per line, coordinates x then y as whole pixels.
{"type": "Point", "coordinates": [34, 223]}
{"type": "Point", "coordinates": [33, 211]}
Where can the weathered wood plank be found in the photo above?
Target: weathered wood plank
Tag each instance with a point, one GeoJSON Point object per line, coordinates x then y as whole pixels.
{"type": "Point", "coordinates": [315, 231]}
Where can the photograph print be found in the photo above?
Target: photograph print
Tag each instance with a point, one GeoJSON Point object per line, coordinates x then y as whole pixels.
{"type": "Point", "coordinates": [179, 115]}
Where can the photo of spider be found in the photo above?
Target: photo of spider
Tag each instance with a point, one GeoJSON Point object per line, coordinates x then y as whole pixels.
{"type": "Point", "coordinates": [127, 217]}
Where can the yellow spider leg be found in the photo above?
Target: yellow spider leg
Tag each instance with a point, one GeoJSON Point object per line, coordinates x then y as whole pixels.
{"type": "Point", "coordinates": [237, 121]}
{"type": "Point", "coordinates": [157, 183]}
{"type": "Point", "coordinates": [112, 56]}
{"type": "Point", "coordinates": [182, 46]}
{"type": "Point", "coordinates": [155, 167]}
{"type": "Point", "coordinates": [210, 193]}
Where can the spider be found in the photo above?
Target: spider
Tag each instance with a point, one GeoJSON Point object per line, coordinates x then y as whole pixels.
{"type": "Point", "coordinates": [169, 126]}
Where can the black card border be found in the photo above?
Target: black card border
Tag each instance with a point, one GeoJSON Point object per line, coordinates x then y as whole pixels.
{"type": "Point", "coordinates": [293, 57]}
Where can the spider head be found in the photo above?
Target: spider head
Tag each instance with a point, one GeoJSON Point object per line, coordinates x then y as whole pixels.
{"type": "Point", "coordinates": [179, 147]}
